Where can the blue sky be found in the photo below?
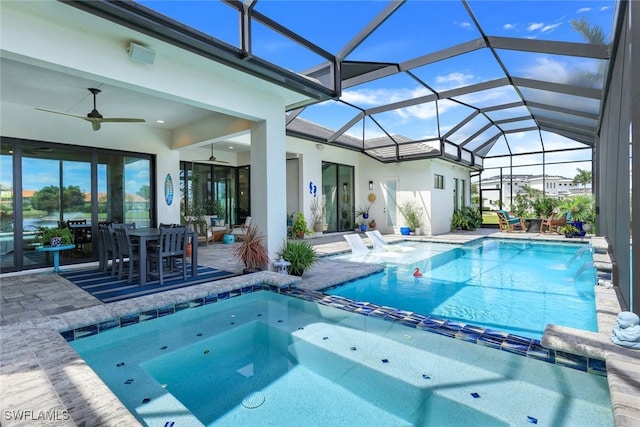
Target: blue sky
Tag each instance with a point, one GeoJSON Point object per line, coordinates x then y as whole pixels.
{"type": "Point", "coordinates": [417, 28]}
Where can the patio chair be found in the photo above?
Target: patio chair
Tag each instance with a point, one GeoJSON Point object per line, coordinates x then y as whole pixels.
{"type": "Point", "coordinates": [81, 232]}
{"type": "Point", "coordinates": [108, 249]}
{"type": "Point", "coordinates": [508, 222]}
{"type": "Point", "coordinates": [552, 223]}
{"type": "Point", "coordinates": [379, 242]}
{"type": "Point", "coordinates": [127, 250]}
{"type": "Point", "coordinates": [171, 246]}
{"type": "Point", "coordinates": [357, 244]}
{"type": "Point", "coordinates": [240, 230]}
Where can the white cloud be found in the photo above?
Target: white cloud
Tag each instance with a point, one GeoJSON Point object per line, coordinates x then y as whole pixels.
{"type": "Point", "coordinates": [549, 28]}
{"type": "Point", "coordinates": [454, 80]}
{"type": "Point", "coordinates": [548, 69]}
{"type": "Point", "coordinates": [509, 27]}
{"type": "Point", "coordinates": [584, 9]}
{"type": "Point", "coordinates": [465, 25]}
{"type": "Point", "coordinates": [535, 26]}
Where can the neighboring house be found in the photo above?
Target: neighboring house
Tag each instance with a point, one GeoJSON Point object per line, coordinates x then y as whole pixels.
{"type": "Point", "coordinates": [550, 185]}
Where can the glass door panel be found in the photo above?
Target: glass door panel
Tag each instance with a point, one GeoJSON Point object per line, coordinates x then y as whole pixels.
{"type": "Point", "coordinates": [337, 193]}
{"type": "Point", "coordinates": [390, 191]}
{"type": "Point", "coordinates": [330, 194]}
{"type": "Point", "coordinates": [7, 207]}
{"type": "Point", "coordinates": [56, 184]}
{"type": "Point", "coordinates": [124, 189]}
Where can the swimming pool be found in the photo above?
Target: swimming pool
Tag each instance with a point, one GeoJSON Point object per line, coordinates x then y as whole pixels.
{"type": "Point", "coordinates": [268, 359]}
{"type": "Point", "coordinates": [513, 286]}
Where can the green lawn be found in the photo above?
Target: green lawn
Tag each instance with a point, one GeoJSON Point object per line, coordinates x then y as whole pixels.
{"type": "Point", "coordinates": [489, 218]}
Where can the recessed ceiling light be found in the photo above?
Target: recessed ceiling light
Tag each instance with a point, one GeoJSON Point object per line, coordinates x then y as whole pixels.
{"type": "Point", "coordinates": [159, 121]}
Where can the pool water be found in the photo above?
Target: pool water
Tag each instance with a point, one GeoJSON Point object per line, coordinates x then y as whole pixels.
{"type": "Point", "coordinates": [267, 359]}
{"type": "Point", "coordinates": [515, 287]}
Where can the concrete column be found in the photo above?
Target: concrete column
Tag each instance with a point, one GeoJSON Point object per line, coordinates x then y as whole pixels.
{"type": "Point", "coordinates": [268, 186]}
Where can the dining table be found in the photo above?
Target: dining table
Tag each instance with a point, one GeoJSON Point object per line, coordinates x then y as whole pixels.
{"type": "Point", "coordinates": [147, 235]}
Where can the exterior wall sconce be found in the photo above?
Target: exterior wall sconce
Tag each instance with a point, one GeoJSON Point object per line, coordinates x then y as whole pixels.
{"type": "Point", "coordinates": [370, 185]}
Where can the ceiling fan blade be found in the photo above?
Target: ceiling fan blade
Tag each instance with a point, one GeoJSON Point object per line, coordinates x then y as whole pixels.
{"type": "Point", "coordinates": [94, 117]}
{"type": "Point", "coordinates": [58, 112]}
{"type": "Point", "coordinates": [121, 120]}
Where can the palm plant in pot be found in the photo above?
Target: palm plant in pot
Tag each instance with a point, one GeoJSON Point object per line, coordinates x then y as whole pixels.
{"type": "Point", "coordinates": [251, 251]}
{"type": "Point", "coordinates": [54, 236]}
{"type": "Point", "coordinates": [300, 254]}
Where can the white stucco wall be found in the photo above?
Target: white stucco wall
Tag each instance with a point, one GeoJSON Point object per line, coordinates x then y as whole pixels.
{"type": "Point", "coordinates": [415, 183]}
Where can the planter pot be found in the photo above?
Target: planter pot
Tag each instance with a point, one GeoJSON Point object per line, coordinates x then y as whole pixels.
{"type": "Point", "coordinates": [55, 241]}
{"type": "Point", "coordinates": [365, 216]}
{"type": "Point", "coordinates": [296, 272]}
{"type": "Point", "coordinates": [189, 249]}
{"type": "Point", "coordinates": [405, 231]}
{"type": "Point", "coordinates": [249, 271]}
{"type": "Point", "coordinates": [568, 235]}
{"type": "Point", "coordinates": [363, 228]}
{"type": "Point", "coordinates": [318, 227]}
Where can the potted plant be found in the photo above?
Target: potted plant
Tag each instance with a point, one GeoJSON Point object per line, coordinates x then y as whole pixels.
{"type": "Point", "coordinates": [300, 254]}
{"type": "Point", "coordinates": [413, 215]}
{"type": "Point", "coordinates": [569, 230]}
{"type": "Point", "coordinates": [54, 236]}
{"type": "Point", "coordinates": [317, 215]}
{"type": "Point", "coordinates": [363, 212]}
{"type": "Point", "coordinates": [250, 250]}
{"type": "Point", "coordinates": [299, 227]}
{"type": "Point", "coordinates": [372, 224]}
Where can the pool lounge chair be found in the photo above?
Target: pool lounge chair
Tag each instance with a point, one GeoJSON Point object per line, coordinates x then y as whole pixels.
{"type": "Point", "coordinates": [508, 223]}
{"type": "Point", "coordinates": [357, 244]}
{"type": "Point", "coordinates": [380, 243]}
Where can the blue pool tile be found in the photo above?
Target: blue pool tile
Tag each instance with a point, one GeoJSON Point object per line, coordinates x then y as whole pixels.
{"type": "Point", "coordinates": [109, 324]}
{"type": "Point", "coordinates": [223, 295]}
{"type": "Point", "coordinates": [247, 289]}
{"type": "Point", "coordinates": [475, 395]}
{"type": "Point", "coordinates": [490, 340]}
{"type": "Point", "coordinates": [210, 299]}
{"type": "Point", "coordinates": [536, 351]}
{"type": "Point", "coordinates": [164, 311]}
{"type": "Point", "coordinates": [597, 367]}
{"type": "Point", "coordinates": [181, 306]}
{"type": "Point", "coordinates": [571, 360]}
{"type": "Point", "coordinates": [516, 344]}
{"type": "Point", "coordinates": [430, 323]}
{"type": "Point", "coordinates": [85, 331]}
{"type": "Point", "coordinates": [68, 335]}
{"type": "Point", "coordinates": [235, 293]}
{"type": "Point", "coordinates": [129, 320]}
{"type": "Point", "coordinates": [469, 334]}
{"type": "Point", "coordinates": [532, 420]}
{"type": "Point", "coordinates": [196, 302]}
{"type": "Point", "coordinates": [148, 315]}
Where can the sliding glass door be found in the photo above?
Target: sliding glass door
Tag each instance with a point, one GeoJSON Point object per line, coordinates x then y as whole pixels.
{"type": "Point", "coordinates": [338, 192]}
{"type": "Point", "coordinates": [51, 184]}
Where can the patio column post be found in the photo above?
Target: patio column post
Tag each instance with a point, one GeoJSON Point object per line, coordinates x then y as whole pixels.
{"type": "Point", "coordinates": [268, 180]}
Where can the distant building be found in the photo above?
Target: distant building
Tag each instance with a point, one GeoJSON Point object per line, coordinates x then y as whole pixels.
{"type": "Point", "coordinates": [512, 185]}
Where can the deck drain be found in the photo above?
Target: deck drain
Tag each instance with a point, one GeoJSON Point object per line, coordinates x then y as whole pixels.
{"type": "Point", "coordinates": [253, 400]}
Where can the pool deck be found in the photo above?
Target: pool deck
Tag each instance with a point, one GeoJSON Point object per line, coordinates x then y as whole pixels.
{"type": "Point", "coordinates": [44, 382]}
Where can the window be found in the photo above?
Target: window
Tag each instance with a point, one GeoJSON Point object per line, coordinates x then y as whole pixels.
{"type": "Point", "coordinates": [438, 181]}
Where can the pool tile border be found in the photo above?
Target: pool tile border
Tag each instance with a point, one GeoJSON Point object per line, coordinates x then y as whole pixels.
{"type": "Point", "coordinates": [503, 341]}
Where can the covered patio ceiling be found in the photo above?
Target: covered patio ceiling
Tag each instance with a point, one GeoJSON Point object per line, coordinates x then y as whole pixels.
{"type": "Point", "coordinates": [404, 80]}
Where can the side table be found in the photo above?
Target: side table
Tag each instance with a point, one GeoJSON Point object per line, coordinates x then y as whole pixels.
{"type": "Point", "coordinates": [56, 254]}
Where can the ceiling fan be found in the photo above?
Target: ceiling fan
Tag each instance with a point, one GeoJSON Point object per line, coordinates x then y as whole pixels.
{"type": "Point", "coordinates": [212, 158]}
{"type": "Point", "coordinates": [94, 116]}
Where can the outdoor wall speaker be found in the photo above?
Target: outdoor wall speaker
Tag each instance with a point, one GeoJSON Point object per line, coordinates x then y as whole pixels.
{"type": "Point", "coordinates": [141, 54]}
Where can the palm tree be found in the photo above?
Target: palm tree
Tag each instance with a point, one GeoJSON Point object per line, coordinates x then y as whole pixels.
{"type": "Point", "coordinates": [583, 178]}
{"type": "Point", "coordinates": [592, 34]}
